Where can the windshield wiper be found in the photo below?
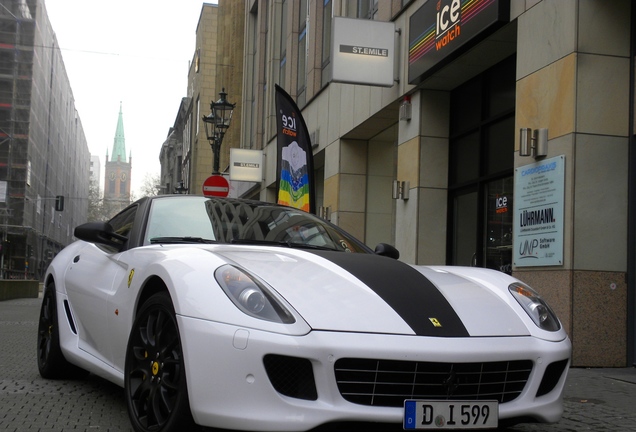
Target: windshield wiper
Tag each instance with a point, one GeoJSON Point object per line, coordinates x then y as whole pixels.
{"type": "Point", "coordinates": [173, 240]}
{"type": "Point", "coordinates": [288, 244]}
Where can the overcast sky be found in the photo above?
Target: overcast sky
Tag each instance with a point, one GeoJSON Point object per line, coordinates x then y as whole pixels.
{"type": "Point", "coordinates": [130, 51]}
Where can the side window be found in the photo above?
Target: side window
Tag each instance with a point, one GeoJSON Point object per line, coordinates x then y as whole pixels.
{"type": "Point", "coordinates": [122, 223]}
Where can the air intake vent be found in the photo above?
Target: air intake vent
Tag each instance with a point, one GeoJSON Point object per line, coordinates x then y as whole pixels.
{"type": "Point", "coordinates": [291, 376]}
{"type": "Point", "coordinates": [389, 383]}
{"type": "Point", "coordinates": [69, 316]}
{"type": "Point", "coordinates": [551, 377]}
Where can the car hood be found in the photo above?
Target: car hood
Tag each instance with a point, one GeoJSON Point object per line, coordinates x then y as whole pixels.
{"type": "Point", "coordinates": [351, 292]}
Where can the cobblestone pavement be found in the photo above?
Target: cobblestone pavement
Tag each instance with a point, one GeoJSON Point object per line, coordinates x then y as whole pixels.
{"type": "Point", "coordinates": [595, 399]}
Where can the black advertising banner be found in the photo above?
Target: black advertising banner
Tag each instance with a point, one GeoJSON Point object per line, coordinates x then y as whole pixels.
{"type": "Point", "coordinates": [295, 169]}
{"type": "Point", "coordinates": [440, 28]}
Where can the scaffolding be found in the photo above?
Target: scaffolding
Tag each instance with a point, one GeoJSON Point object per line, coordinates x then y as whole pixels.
{"type": "Point", "coordinates": [17, 35]}
{"type": "Point", "coordinates": [43, 149]}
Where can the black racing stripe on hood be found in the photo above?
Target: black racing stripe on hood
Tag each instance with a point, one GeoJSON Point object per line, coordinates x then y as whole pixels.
{"type": "Point", "coordinates": [415, 298]}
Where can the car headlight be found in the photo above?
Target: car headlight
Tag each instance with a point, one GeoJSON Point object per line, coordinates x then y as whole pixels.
{"type": "Point", "coordinates": [251, 296]}
{"type": "Point", "coordinates": [535, 306]}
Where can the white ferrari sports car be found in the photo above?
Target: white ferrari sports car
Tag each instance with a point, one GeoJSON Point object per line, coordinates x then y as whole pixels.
{"type": "Point", "coordinates": [246, 315]}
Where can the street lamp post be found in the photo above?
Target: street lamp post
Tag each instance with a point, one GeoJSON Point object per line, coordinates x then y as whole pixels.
{"type": "Point", "coordinates": [180, 188]}
{"type": "Point", "coordinates": [216, 124]}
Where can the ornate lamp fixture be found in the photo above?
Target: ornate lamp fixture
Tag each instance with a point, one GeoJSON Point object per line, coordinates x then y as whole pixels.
{"type": "Point", "coordinates": [216, 124]}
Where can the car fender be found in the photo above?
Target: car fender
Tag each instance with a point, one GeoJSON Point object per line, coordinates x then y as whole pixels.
{"type": "Point", "coordinates": [497, 283]}
{"type": "Point", "coordinates": [60, 263]}
{"type": "Point", "coordinates": [189, 275]}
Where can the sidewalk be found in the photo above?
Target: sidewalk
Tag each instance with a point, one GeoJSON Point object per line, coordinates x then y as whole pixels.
{"type": "Point", "coordinates": [595, 399]}
{"type": "Point", "coordinates": [600, 400]}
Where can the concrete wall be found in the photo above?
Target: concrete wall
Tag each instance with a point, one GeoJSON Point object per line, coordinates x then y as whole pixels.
{"type": "Point", "coordinates": [13, 289]}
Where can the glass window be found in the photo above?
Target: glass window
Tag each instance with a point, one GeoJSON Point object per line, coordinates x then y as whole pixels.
{"type": "Point", "coordinates": [122, 222]}
{"type": "Point", "coordinates": [253, 91]}
{"type": "Point", "coordinates": [196, 116]}
{"type": "Point", "coordinates": [499, 137]}
{"type": "Point", "coordinates": [465, 156]}
{"type": "Point", "coordinates": [367, 9]}
{"type": "Point", "coordinates": [466, 106]}
{"type": "Point", "coordinates": [171, 217]}
{"type": "Point", "coordinates": [227, 220]}
{"type": "Point", "coordinates": [262, 73]}
{"type": "Point", "coordinates": [465, 227]}
{"type": "Point", "coordinates": [302, 53]}
{"type": "Point", "coordinates": [499, 224]}
{"type": "Point", "coordinates": [283, 44]}
{"type": "Point", "coordinates": [326, 41]}
{"type": "Point", "coordinates": [501, 84]}
{"type": "Point", "coordinates": [481, 169]}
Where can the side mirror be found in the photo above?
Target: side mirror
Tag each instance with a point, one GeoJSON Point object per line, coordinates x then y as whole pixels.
{"type": "Point", "coordinates": [100, 233]}
{"type": "Point", "coordinates": [387, 250]}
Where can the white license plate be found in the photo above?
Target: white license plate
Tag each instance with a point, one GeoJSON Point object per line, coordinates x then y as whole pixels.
{"type": "Point", "coordinates": [426, 414]}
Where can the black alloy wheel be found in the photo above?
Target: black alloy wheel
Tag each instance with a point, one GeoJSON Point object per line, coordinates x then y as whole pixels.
{"type": "Point", "coordinates": [51, 361]}
{"type": "Point", "coordinates": [155, 381]}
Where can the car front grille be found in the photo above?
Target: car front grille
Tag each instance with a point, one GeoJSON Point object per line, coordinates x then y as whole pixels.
{"type": "Point", "coordinates": [389, 382]}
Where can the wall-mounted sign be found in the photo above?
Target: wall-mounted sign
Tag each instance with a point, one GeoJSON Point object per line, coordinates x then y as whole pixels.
{"type": "Point", "coordinates": [246, 165]}
{"type": "Point", "coordinates": [363, 51]}
{"type": "Point", "coordinates": [442, 29]}
{"type": "Point", "coordinates": [538, 214]}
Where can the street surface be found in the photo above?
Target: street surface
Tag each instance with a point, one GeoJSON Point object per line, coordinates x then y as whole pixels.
{"type": "Point", "coordinates": [595, 399]}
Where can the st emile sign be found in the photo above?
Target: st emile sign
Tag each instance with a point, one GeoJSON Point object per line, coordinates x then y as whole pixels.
{"type": "Point", "coordinates": [442, 29]}
{"type": "Point", "coordinates": [246, 165]}
{"type": "Point", "coordinates": [363, 52]}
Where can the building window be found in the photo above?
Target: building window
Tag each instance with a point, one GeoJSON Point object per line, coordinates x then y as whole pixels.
{"type": "Point", "coordinates": [326, 41]}
{"type": "Point", "coordinates": [365, 9]}
{"type": "Point", "coordinates": [252, 58]}
{"type": "Point", "coordinates": [283, 45]}
{"type": "Point", "coordinates": [187, 135]}
{"type": "Point", "coordinates": [262, 71]}
{"type": "Point", "coordinates": [302, 53]}
{"type": "Point", "coordinates": [481, 169]}
{"type": "Point", "coordinates": [197, 116]}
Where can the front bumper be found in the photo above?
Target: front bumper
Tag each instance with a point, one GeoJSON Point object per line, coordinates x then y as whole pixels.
{"type": "Point", "coordinates": [229, 387]}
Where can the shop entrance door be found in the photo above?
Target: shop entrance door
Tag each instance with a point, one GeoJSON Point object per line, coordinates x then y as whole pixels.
{"type": "Point", "coordinates": [482, 225]}
{"type": "Point", "coordinates": [481, 170]}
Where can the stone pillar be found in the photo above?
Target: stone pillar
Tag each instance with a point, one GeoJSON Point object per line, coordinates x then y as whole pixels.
{"type": "Point", "coordinates": [573, 78]}
{"type": "Point", "coordinates": [346, 183]}
{"type": "Point", "coordinates": [423, 162]}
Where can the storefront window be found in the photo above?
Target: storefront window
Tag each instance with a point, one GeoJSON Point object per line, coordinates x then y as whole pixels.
{"type": "Point", "coordinates": [465, 228]}
{"type": "Point", "coordinates": [499, 225]}
{"type": "Point", "coordinates": [465, 154]}
{"type": "Point", "coordinates": [481, 169]}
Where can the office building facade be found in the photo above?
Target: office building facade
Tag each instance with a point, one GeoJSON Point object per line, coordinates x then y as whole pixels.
{"type": "Point", "coordinates": [502, 141]}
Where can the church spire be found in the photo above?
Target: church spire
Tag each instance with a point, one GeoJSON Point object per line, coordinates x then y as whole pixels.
{"type": "Point", "coordinates": [119, 146]}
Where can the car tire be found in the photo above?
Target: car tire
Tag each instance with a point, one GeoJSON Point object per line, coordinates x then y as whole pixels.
{"type": "Point", "coordinates": [51, 361]}
{"type": "Point", "coordinates": [154, 376]}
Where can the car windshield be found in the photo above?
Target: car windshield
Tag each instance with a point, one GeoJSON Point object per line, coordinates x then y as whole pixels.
{"type": "Point", "coordinates": [196, 219]}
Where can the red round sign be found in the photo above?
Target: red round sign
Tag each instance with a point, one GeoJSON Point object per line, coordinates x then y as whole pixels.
{"type": "Point", "coordinates": [216, 185]}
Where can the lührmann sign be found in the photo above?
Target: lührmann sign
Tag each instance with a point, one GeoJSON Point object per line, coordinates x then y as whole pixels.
{"type": "Point", "coordinates": [442, 29]}
{"type": "Point", "coordinates": [538, 213]}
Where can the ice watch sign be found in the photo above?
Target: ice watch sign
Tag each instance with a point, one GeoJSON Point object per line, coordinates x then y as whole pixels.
{"type": "Point", "coordinates": [441, 30]}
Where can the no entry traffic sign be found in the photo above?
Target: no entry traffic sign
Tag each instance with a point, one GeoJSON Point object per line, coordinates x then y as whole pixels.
{"type": "Point", "coordinates": [216, 185]}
